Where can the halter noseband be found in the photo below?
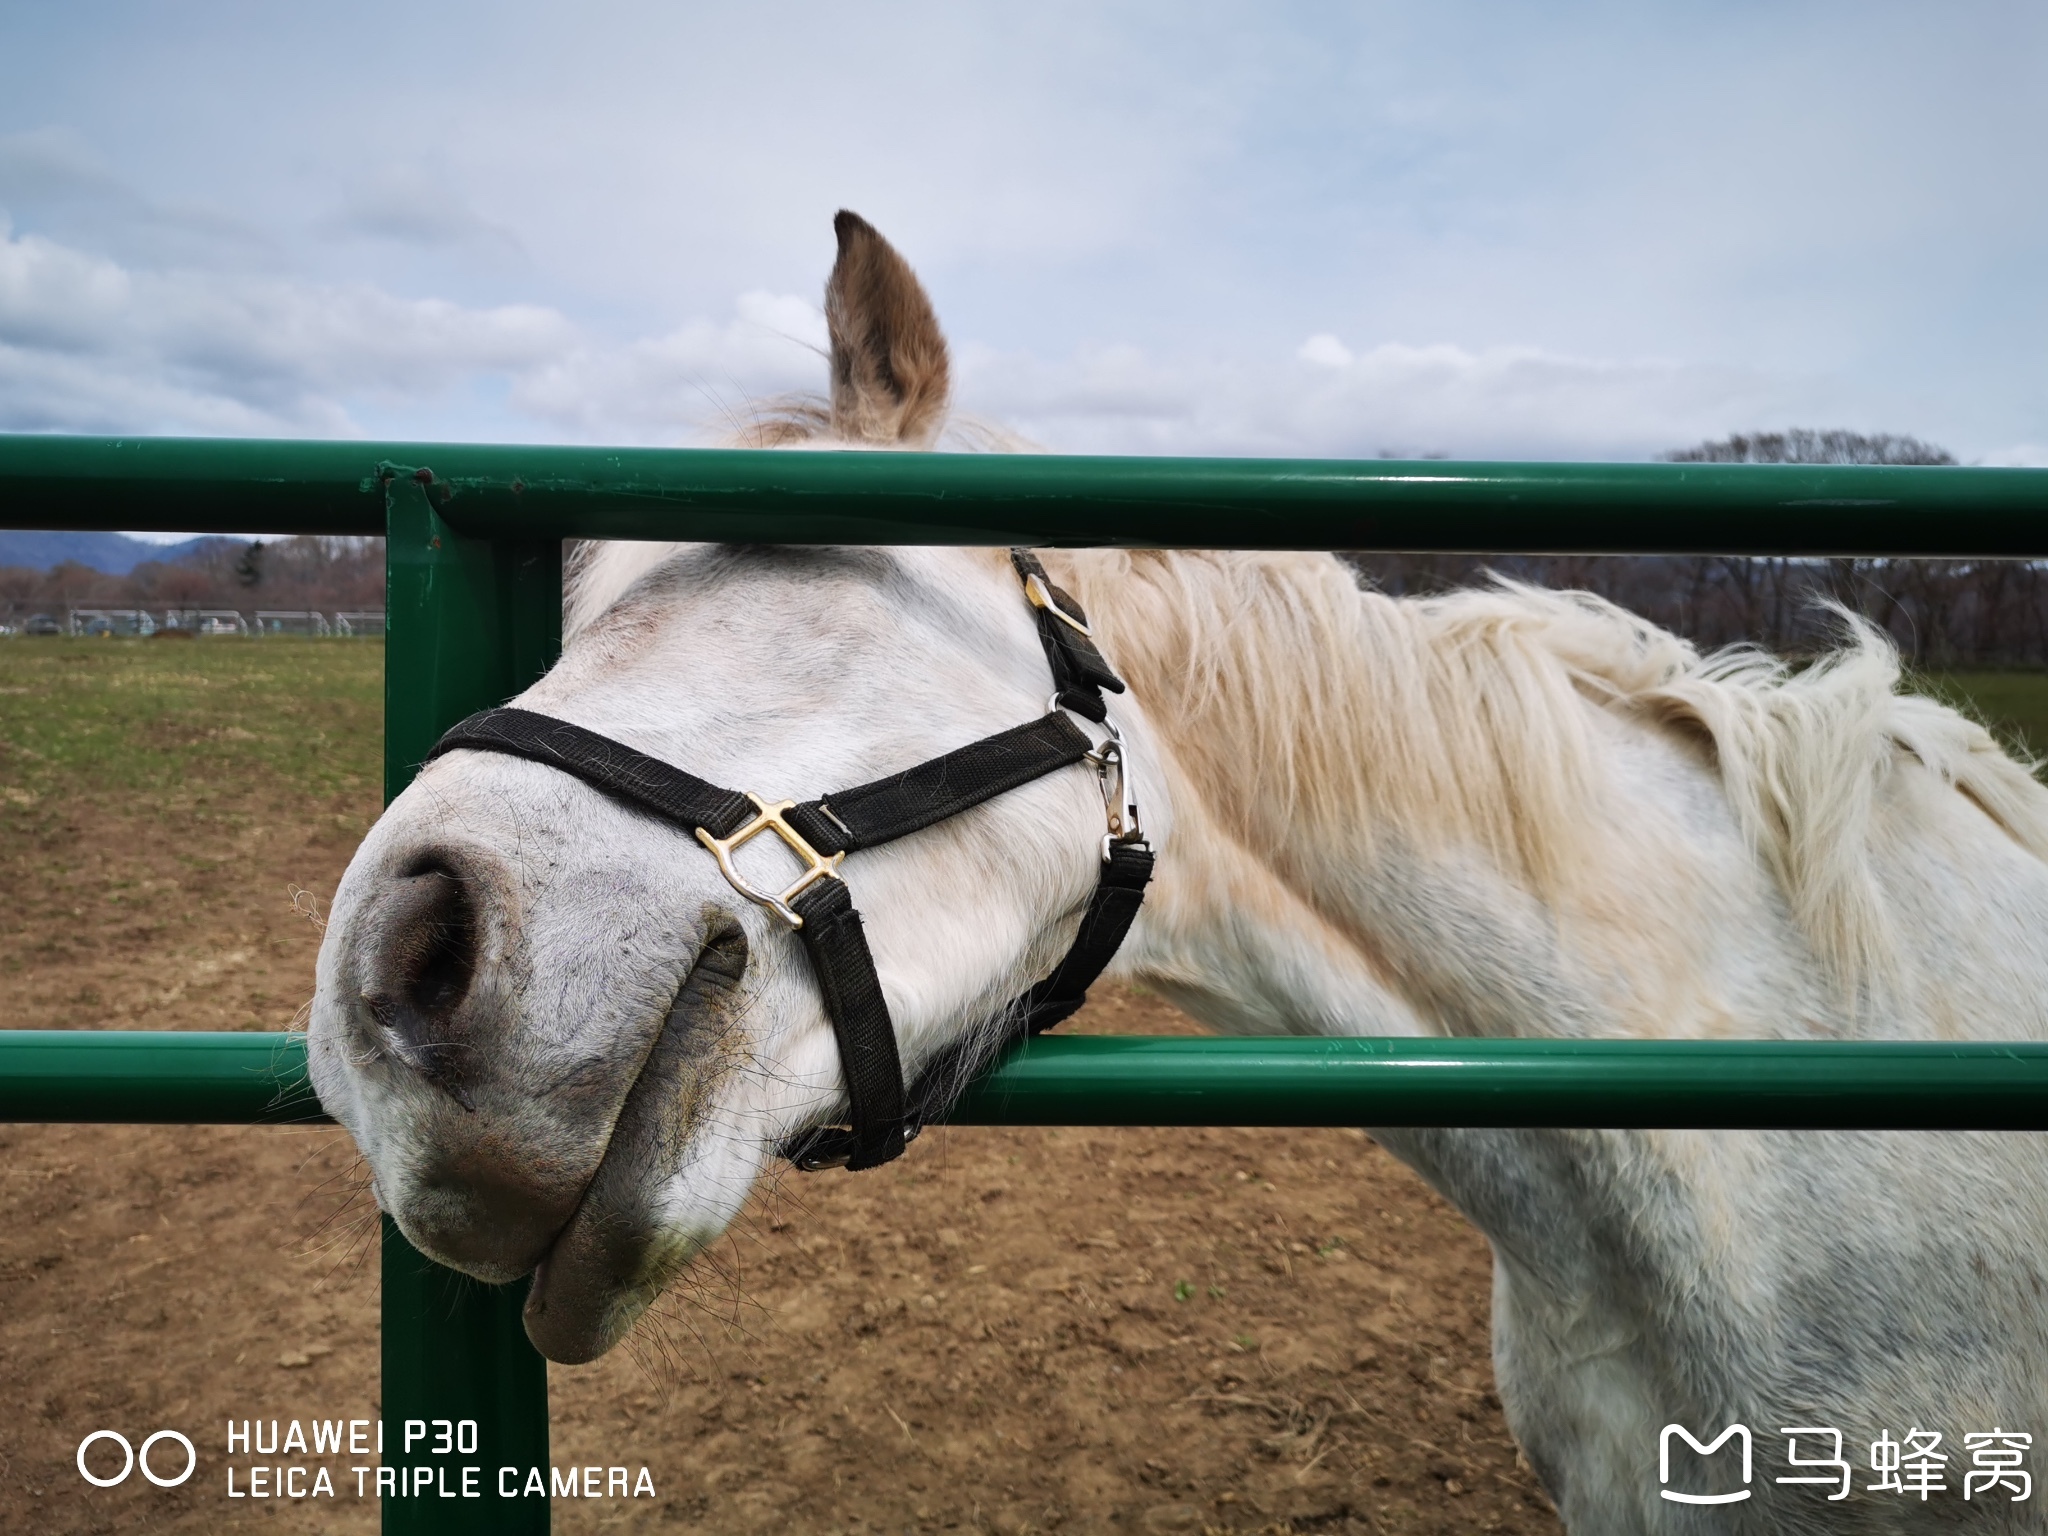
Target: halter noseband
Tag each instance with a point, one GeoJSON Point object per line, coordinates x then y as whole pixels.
{"type": "Point", "coordinates": [884, 1116]}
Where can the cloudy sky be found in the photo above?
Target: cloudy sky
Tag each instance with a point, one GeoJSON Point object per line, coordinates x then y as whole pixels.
{"type": "Point", "coordinates": [1573, 230]}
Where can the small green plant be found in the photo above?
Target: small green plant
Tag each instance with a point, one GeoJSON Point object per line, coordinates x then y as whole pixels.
{"type": "Point", "coordinates": [1215, 1293]}
{"type": "Point", "coordinates": [1183, 1290]}
{"type": "Point", "coordinates": [1246, 1342]}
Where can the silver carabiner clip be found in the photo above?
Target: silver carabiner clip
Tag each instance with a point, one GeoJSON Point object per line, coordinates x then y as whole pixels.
{"type": "Point", "coordinates": [1119, 796]}
{"type": "Point", "coordinates": [1112, 765]}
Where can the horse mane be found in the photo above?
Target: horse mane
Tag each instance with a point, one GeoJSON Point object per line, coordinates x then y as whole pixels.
{"type": "Point", "coordinates": [1463, 720]}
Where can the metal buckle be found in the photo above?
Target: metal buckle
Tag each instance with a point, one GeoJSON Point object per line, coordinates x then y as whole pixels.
{"type": "Point", "coordinates": [816, 865]}
{"type": "Point", "coordinates": [1040, 594]}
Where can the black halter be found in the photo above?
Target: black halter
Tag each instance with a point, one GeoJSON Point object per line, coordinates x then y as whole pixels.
{"type": "Point", "coordinates": [884, 1115]}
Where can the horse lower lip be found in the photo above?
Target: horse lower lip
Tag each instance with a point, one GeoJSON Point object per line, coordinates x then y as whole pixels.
{"type": "Point", "coordinates": [595, 1280]}
{"type": "Point", "coordinates": [607, 1263]}
{"type": "Point", "coordinates": [579, 1303]}
{"type": "Point", "coordinates": [585, 1273]}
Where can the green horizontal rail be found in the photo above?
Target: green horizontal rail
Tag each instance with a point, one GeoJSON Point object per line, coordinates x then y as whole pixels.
{"type": "Point", "coordinates": [525, 492]}
{"type": "Point", "coordinates": [173, 1078]}
{"type": "Point", "coordinates": [1614, 1084]}
{"type": "Point", "coordinates": [155, 1077]}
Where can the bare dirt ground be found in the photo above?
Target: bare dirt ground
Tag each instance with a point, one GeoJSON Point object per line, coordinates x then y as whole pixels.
{"type": "Point", "coordinates": [1028, 1330]}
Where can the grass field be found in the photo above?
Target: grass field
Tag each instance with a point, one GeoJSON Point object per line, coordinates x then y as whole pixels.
{"type": "Point", "coordinates": [169, 718]}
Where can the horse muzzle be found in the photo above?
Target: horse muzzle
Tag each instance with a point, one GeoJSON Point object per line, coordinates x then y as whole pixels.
{"type": "Point", "coordinates": [516, 1128]}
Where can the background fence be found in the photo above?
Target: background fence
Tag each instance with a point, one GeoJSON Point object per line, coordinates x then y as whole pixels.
{"type": "Point", "coordinates": [474, 541]}
{"type": "Point", "coordinates": [38, 619]}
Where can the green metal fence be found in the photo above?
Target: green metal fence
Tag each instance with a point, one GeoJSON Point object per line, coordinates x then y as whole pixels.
{"type": "Point", "coordinates": [474, 565]}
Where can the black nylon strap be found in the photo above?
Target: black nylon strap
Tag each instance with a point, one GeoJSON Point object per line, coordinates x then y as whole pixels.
{"type": "Point", "coordinates": [1079, 674]}
{"type": "Point", "coordinates": [609, 765]}
{"type": "Point", "coordinates": [1112, 907]}
{"type": "Point", "coordinates": [884, 1115]}
{"type": "Point", "coordinates": [1119, 892]}
{"type": "Point", "coordinates": [859, 1013]}
{"type": "Point", "coordinates": [940, 788]}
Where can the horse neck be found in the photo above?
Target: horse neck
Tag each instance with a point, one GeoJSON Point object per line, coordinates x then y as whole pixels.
{"type": "Point", "coordinates": [1375, 824]}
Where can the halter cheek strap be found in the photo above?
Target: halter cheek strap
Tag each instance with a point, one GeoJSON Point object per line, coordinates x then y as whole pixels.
{"type": "Point", "coordinates": [884, 1114]}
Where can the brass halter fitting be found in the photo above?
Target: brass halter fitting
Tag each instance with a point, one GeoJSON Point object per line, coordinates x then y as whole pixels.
{"type": "Point", "coordinates": [817, 866]}
{"type": "Point", "coordinates": [1040, 595]}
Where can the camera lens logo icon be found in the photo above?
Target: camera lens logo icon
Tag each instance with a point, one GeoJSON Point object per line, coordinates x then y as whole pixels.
{"type": "Point", "coordinates": [131, 1458]}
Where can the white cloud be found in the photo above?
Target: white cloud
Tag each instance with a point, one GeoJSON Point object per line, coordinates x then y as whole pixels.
{"type": "Point", "coordinates": [1325, 349]}
{"type": "Point", "coordinates": [405, 204]}
{"type": "Point", "coordinates": [1506, 402]}
{"type": "Point", "coordinates": [87, 344]}
{"type": "Point", "coordinates": [78, 195]}
{"type": "Point", "coordinates": [90, 344]}
{"type": "Point", "coordinates": [2018, 456]}
{"type": "Point", "coordinates": [675, 387]}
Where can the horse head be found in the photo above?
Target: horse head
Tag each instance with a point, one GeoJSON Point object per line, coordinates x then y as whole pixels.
{"type": "Point", "coordinates": [563, 1039]}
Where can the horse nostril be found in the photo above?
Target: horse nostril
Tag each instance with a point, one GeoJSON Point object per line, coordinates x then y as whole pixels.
{"type": "Point", "coordinates": [423, 962]}
{"type": "Point", "coordinates": [433, 956]}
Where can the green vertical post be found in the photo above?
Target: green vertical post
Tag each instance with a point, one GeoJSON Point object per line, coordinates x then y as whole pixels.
{"type": "Point", "coordinates": [471, 622]}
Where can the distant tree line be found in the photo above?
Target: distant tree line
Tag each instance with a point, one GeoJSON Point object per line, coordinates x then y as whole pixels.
{"type": "Point", "coordinates": [1940, 613]}
{"type": "Point", "coordinates": [305, 572]}
{"type": "Point", "coordinates": [1803, 445]}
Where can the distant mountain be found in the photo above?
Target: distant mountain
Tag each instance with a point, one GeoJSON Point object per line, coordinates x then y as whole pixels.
{"type": "Point", "coordinates": [114, 553]}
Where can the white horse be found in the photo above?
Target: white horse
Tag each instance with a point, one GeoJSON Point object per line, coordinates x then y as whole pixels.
{"type": "Point", "coordinates": [566, 1046]}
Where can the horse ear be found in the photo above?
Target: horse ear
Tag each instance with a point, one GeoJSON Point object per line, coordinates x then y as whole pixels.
{"type": "Point", "coordinates": [890, 377]}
